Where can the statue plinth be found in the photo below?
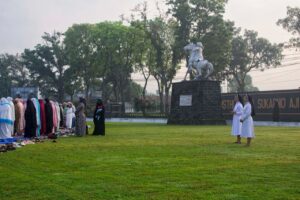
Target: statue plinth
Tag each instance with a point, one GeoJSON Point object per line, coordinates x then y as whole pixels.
{"type": "Point", "coordinates": [196, 103]}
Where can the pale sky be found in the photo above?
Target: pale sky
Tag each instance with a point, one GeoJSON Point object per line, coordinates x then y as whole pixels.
{"type": "Point", "coordinates": [24, 21]}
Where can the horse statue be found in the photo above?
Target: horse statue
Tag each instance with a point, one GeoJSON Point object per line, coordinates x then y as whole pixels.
{"type": "Point", "coordinates": [196, 61]}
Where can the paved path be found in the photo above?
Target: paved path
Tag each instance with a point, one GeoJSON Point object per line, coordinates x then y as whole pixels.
{"type": "Point", "coordinates": [164, 121]}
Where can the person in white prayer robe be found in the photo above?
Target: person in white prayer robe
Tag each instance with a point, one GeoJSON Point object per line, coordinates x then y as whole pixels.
{"type": "Point", "coordinates": [69, 116]}
{"type": "Point", "coordinates": [236, 120]}
{"type": "Point", "coordinates": [12, 107]}
{"type": "Point", "coordinates": [6, 117]}
{"type": "Point", "coordinates": [247, 120]}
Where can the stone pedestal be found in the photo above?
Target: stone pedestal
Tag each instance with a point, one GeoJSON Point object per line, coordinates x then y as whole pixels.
{"type": "Point", "coordinates": [196, 103]}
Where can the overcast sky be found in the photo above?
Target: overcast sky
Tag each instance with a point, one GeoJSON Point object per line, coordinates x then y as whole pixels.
{"type": "Point", "coordinates": [24, 21]}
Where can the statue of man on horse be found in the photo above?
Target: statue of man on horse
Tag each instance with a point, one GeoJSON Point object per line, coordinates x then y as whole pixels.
{"type": "Point", "coordinates": [196, 61]}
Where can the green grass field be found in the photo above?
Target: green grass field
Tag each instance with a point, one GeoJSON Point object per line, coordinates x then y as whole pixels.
{"type": "Point", "coordinates": [140, 161]}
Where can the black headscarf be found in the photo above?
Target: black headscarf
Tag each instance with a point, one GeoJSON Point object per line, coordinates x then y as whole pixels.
{"type": "Point", "coordinates": [30, 114]}
{"type": "Point", "coordinates": [49, 116]}
{"type": "Point", "coordinates": [99, 103]}
{"type": "Point", "coordinates": [99, 118]}
{"type": "Point", "coordinates": [241, 99]}
{"type": "Point", "coordinates": [252, 105]}
{"type": "Point", "coordinates": [30, 119]}
{"type": "Point", "coordinates": [82, 100]}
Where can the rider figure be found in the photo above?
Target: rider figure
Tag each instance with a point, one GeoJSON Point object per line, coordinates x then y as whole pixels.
{"type": "Point", "coordinates": [196, 54]}
{"type": "Point", "coordinates": [196, 61]}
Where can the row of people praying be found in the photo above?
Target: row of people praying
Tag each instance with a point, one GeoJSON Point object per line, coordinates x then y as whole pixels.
{"type": "Point", "coordinates": [35, 118]}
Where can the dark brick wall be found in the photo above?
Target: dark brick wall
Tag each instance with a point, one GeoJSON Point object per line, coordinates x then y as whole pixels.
{"type": "Point", "coordinates": [206, 103]}
{"type": "Point", "coordinates": [288, 109]}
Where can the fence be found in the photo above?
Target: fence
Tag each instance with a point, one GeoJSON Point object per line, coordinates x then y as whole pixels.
{"type": "Point", "coordinates": [281, 105]}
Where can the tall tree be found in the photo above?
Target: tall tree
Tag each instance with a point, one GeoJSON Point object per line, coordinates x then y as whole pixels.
{"type": "Point", "coordinates": [12, 73]}
{"type": "Point", "coordinates": [19, 71]}
{"type": "Point", "coordinates": [74, 84]}
{"type": "Point", "coordinates": [165, 60]}
{"type": "Point", "coordinates": [81, 52]}
{"type": "Point", "coordinates": [182, 12]}
{"type": "Point", "coordinates": [48, 64]}
{"type": "Point", "coordinates": [116, 46]}
{"type": "Point", "coordinates": [251, 52]}
{"type": "Point", "coordinates": [292, 24]}
{"type": "Point", "coordinates": [202, 20]}
{"type": "Point", "coordinates": [163, 51]}
{"type": "Point", "coordinates": [145, 55]}
{"type": "Point", "coordinates": [5, 75]}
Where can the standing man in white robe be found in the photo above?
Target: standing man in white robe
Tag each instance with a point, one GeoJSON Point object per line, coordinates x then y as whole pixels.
{"type": "Point", "coordinates": [69, 116]}
{"type": "Point", "coordinates": [6, 122]}
{"type": "Point", "coordinates": [12, 107]}
{"type": "Point", "coordinates": [236, 121]}
{"type": "Point", "coordinates": [247, 120]}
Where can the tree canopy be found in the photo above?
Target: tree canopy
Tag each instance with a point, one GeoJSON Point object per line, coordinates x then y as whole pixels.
{"type": "Point", "coordinates": [48, 65]}
{"type": "Point", "coordinates": [251, 52]}
{"type": "Point", "coordinates": [202, 20]}
{"type": "Point", "coordinates": [292, 24]}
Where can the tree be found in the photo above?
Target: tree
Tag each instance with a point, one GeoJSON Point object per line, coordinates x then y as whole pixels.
{"type": "Point", "coordinates": [202, 20]}
{"type": "Point", "coordinates": [144, 57]}
{"type": "Point", "coordinates": [162, 52]}
{"type": "Point", "coordinates": [117, 46]}
{"type": "Point", "coordinates": [82, 54]}
{"type": "Point", "coordinates": [74, 84]}
{"type": "Point", "coordinates": [251, 52]}
{"type": "Point", "coordinates": [12, 73]}
{"type": "Point", "coordinates": [48, 64]}
{"type": "Point", "coordinates": [182, 13]}
{"type": "Point", "coordinates": [5, 76]}
{"type": "Point", "coordinates": [165, 61]}
{"type": "Point", "coordinates": [20, 73]}
{"type": "Point", "coordinates": [234, 87]}
{"type": "Point", "coordinates": [158, 53]}
{"type": "Point", "coordinates": [133, 91]}
{"type": "Point", "coordinates": [292, 24]}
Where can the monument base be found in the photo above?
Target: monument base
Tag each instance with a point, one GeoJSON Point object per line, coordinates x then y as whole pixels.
{"type": "Point", "coordinates": [196, 103]}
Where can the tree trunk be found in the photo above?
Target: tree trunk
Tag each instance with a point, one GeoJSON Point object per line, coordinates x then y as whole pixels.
{"type": "Point", "coordinates": [241, 86]}
{"type": "Point", "coordinates": [61, 90]}
{"type": "Point", "coordinates": [122, 99]}
{"type": "Point", "coordinates": [115, 93]}
{"type": "Point", "coordinates": [145, 87]}
{"type": "Point", "coordinates": [161, 105]}
{"type": "Point", "coordinates": [167, 94]}
{"type": "Point", "coordinates": [161, 95]}
{"type": "Point", "coordinates": [87, 92]}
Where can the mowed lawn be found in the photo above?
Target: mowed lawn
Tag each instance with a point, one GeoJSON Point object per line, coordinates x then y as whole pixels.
{"type": "Point", "coordinates": [147, 161]}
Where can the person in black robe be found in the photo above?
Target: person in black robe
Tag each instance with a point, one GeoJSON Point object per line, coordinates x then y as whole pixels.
{"type": "Point", "coordinates": [49, 117]}
{"type": "Point", "coordinates": [62, 122]}
{"type": "Point", "coordinates": [99, 119]}
{"type": "Point", "coordinates": [30, 120]}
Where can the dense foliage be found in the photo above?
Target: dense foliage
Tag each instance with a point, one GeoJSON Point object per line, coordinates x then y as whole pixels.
{"type": "Point", "coordinates": [101, 57]}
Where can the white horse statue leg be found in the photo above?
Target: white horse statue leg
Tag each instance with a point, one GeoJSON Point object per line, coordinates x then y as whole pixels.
{"type": "Point", "coordinates": [198, 67]}
{"type": "Point", "coordinates": [209, 69]}
{"type": "Point", "coordinates": [190, 69]}
{"type": "Point", "coordinates": [204, 65]}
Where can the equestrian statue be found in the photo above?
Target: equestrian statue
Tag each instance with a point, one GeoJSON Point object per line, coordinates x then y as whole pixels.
{"type": "Point", "coordinates": [197, 63]}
